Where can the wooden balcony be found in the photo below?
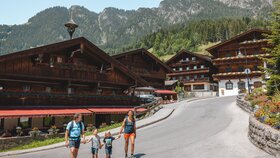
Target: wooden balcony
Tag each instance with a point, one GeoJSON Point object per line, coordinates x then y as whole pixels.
{"type": "Point", "coordinates": [205, 79]}
{"type": "Point", "coordinates": [191, 71]}
{"type": "Point", "coordinates": [185, 63]}
{"type": "Point", "coordinates": [236, 75]}
{"type": "Point", "coordinates": [65, 72]}
{"type": "Point", "coordinates": [239, 60]}
{"type": "Point", "coordinates": [21, 99]}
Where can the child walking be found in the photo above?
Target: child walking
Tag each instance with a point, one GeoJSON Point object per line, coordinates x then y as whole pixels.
{"type": "Point", "coordinates": [95, 143]}
{"type": "Point", "coordinates": [108, 140]}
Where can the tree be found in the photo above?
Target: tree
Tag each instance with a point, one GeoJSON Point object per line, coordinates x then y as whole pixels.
{"type": "Point", "coordinates": [273, 83]}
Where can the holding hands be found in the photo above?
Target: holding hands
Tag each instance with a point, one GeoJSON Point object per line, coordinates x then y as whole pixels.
{"type": "Point", "coordinates": [84, 141]}
{"type": "Point", "coordinates": [119, 136]}
{"type": "Point", "coordinates": [66, 144]}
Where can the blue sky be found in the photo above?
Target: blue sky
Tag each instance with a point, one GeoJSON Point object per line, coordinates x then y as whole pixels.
{"type": "Point", "coordinates": [19, 11]}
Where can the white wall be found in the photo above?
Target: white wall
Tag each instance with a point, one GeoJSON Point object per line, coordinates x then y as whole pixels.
{"type": "Point", "coordinates": [234, 91]}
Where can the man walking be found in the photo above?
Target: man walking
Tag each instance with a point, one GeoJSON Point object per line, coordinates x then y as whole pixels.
{"type": "Point", "coordinates": [74, 130]}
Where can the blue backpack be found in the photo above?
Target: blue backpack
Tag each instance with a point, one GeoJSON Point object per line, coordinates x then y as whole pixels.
{"type": "Point", "coordinates": [72, 125]}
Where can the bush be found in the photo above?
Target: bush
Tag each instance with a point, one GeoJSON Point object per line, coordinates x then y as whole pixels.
{"type": "Point", "coordinates": [276, 98]}
{"type": "Point", "coordinates": [269, 111]}
{"type": "Point", "coordinates": [272, 121]}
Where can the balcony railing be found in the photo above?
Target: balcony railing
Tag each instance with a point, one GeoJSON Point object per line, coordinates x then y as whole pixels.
{"type": "Point", "coordinates": [59, 73]}
{"type": "Point", "coordinates": [189, 70]}
{"type": "Point", "coordinates": [45, 99]}
{"type": "Point", "coordinates": [205, 79]}
{"type": "Point", "coordinates": [185, 63]}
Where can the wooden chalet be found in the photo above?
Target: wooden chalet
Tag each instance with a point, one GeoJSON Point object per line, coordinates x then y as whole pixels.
{"type": "Point", "coordinates": [45, 85]}
{"type": "Point", "coordinates": [146, 65]}
{"type": "Point", "coordinates": [233, 56]}
{"type": "Point", "coordinates": [194, 70]}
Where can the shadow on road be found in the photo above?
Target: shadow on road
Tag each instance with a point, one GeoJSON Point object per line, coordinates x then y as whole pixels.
{"type": "Point", "coordinates": [139, 155]}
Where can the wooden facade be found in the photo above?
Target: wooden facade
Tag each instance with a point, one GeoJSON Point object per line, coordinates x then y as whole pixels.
{"type": "Point", "coordinates": [194, 70]}
{"type": "Point", "coordinates": [67, 77]}
{"type": "Point", "coordinates": [62, 69]}
{"type": "Point", "coordinates": [233, 56]}
{"type": "Point", "coordinates": [146, 65]}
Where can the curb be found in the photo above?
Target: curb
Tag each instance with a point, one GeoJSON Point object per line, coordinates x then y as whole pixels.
{"type": "Point", "coordinates": [59, 146]}
{"type": "Point", "coordinates": [153, 122]}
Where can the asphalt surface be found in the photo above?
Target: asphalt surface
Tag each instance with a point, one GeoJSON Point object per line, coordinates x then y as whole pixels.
{"type": "Point", "coordinates": [210, 128]}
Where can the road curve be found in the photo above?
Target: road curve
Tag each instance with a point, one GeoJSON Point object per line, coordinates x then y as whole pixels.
{"type": "Point", "coordinates": [209, 128]}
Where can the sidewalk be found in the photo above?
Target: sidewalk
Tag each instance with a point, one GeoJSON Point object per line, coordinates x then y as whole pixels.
{"type": "Point", "coordinates": [160, 115]}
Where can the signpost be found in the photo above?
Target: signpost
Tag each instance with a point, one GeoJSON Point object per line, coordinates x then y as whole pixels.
{"type": "Point", "coordinates": [247, 72]}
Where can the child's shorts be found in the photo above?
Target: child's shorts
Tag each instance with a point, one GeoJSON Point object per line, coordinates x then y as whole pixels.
{"type": "Point", "coordinates": [94, 151]}
{"type": "Point", "coordinates": [108, 151]}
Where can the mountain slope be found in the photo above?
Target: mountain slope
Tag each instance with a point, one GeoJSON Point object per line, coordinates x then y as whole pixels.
{"type": "Point", "coordinates": [193, 35]}
{"type": "Point", "coordinates": [113, 29]}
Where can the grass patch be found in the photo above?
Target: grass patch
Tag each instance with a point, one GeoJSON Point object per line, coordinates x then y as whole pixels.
{"type": "Point", "coordinates": [202, 48]}
{"type": "Point", "coordinates": [40, 143]}
{"type": "Point", "coordinates": [36, 143]}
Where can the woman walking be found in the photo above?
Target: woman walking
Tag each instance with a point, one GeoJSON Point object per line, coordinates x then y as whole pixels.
{"type": "Point", "coordinates": [129, 128]}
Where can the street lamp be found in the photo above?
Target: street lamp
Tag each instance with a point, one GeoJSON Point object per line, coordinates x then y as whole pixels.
{"type": "Point", "coordinates": [247, 70]}
{"type": "Point", "coordinates": [71, 26]}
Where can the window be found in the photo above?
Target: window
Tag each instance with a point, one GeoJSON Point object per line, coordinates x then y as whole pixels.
{"type": "Point", "coordinates": [70, 90]}
{"type": "Point", "coordinates": [180, 68]}
{"type": "Point", "coordinates": [1, 124]}
{"type": "Point", "coordinates": [241, 85]}
{"type": "Point", "coordinates": [25, 122]}
{"type": "Point", "coordinates": [202, 66]}
{"type": "Point", "coordinates": [1, 87]}
{"type": "Point", "coordinates": [202, 76]}
{"type": "Point", "coordinates": [26, 88]}
{"type": "Point", "coordinates": [240, 69]}
{"type": "Point", "coordinates": [228, 69]}
{"type": "Point", "coordinates": [228, 55]}
{"type": "Point", "coordinates": [193, 58]}
{"type": "Point", "coordinates": [187, 59]}
{"type": "Point", "coordinates": [174, 69]}
{"type": "Point", "coordinates": [229, 85]}
{"type": "Point", "coordinates": [67, 119]}
{"type": "Point", "coordinates": [51, 62]}
{"type": "Point", "coordinates": [187, 77]}
{"type": "Point", "coordinates": [174, 78]}
{"type": "Point", "coordinates": [48, 121]}
{"type": "Point", "coordinates": [194, 67]}
{"type": "Point", "coordinates": [187, 68]}
{"type": "Point", "coordinates": [198, 87]}
{"type": "Point", "coordinates": [99, 91]}
{"type": "Point", "coordinates": [48, 89]}
{"type": "Point", "coordinates": [188, 88]}
{"type": "Point", "coordinates": [195, 76]}
{"type": "Point", "coordinates": [59, 59]}
{"type": "Point", "coordinates": [180, 78]}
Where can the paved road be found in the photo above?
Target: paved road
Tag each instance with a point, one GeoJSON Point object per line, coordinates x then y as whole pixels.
{"type": "Point", "coordinates": [210, 128]}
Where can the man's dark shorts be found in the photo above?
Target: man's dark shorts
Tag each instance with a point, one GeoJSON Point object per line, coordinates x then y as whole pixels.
{"type": "Point", "coordinates": [74, 143]}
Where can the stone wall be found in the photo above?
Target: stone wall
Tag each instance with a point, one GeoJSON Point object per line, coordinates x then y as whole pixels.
{"type": "Point", "coordinates": [264, 136]}
{"type": "Point", "coordinates": [245, 105]}
{"type": "Point", "coordinates": [11, 142]}
{"type": "Point", "coordinates": [261, 135]}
